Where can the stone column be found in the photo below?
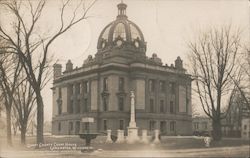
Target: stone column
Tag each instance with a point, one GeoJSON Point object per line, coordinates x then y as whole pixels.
{"type": "Point", "coordinates": [132, 122]}
{"type": "Point", "coordinates": [120, 136]}
{"type": "Point", "coordinates": [156, 135]}
{"type": "Point", "coordinates": [144, 136]}
{"type": "Point", "coordinates": [109, 140]}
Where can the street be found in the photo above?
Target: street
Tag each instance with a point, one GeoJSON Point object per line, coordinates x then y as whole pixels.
{"type": "Point", "coordinates": [241, 151]}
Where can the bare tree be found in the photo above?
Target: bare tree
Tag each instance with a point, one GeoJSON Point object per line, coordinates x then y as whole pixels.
{"type": "Point", "coordinates": [31, 123]}
{"type": "Point", "coordinates": [24, 105]}
{"type": "Point", "coordinates": [26, 44]}
{"type": "Point", "coordinates": [10, 68]}
{"type": "Point", "coordinates": [14, 121]}
{"type": "Point", "coordinates": [213, 65]}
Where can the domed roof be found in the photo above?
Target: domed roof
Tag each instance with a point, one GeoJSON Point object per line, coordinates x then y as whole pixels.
{"type": "Point", "coordinates": [121, 33]}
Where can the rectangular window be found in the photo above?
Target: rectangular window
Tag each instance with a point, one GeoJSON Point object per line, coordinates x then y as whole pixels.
{"type": "Point", "coordinates": [162, 86]}
{"type": "Point", "coordinates": [78, 102]}
{"type": "Point", "coordinates": [187, 104]}
{"type": "Point", "coordinates": [172, 87]}
{"type": "Point", "coordinates": [71, 89]}
{"type": "Point", "coordinates": [187, 98]}
{"type": "Point", "coordinates": [105, 104]}
{"type": "Point", "coordinates": [151, 85]}
{"type": "Point", "coordinates": [85, 105]}
{"type": "Point", "coordinates": [71, 106]}
{"type": "Point", "coordinates": [121, 127]}
{"type": "Point", "coordinates": [105, 84]}
{"type": "Point", "coordinates": [105, 125]}
{"type": "Point", "coordinates": [71, 126]}
{"type": "Point", "coordinates": [85, 86]}
{"type": "Point", "coordinates": [163, 126]}
{"type": "Point", "coordinates": [172, 107]}
{"type": "Point", "coordinates": [121, 84]}
{"type": "Point", "coordinates": [121, 103]}
{"type": "Point", "coordinates": [77, 88]}
{"type": "Point", "coordinates": [59, 108]}
{"type": "Point", "coordinates": [172, 126]}
{"type": "Point", "coordinates": [60, 92]}
{"type": "Point", "coordinates": [59, 101]}
{"type": "Point", "coordinates": [196, 125]}
{"type": "Point", "coordinates": [81, 87]}
{"type": "Point", "coordinates": [151, 104]}
{"type": "Point", "coordinates": [86, 127]}
{"type": "Point", "coordinates": [151, 125]}
{"type": "Point", "coordinates": [59, 126]}
{"type": "Point", "coordinates": [162, 109]}
{"type": "Point", "coordinates": [77, 127]}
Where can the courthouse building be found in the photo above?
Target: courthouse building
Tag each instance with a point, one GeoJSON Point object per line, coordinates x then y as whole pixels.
{"type": "Point", "coordinates": [99, 91]}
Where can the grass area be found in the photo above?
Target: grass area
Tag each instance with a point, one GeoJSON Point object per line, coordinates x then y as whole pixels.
{"type": "Point", "coordinates": [166, 143]}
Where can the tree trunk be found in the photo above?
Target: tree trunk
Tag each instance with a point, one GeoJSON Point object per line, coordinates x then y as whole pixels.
{"type": "Point", "coordinates": [8, 121]}
{"type": "Point", "coordinates": [216, 134]}
{"type": "Point", "coordinates": [40, 117]}
{"type": "Point", "coordinates": [23, 135]}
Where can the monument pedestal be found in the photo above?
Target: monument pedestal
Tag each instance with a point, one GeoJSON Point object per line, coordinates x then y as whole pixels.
{"type": "Point", "coordinates": [132, 135]}
{"type": "Point", "coordinates": [144, 137]}
{"type": "Point", "coordinates": [109, 140]}
{"type": "Point", "coordinates": [120, 136]}
{"type": "Point", "coordinates": [156, 140]}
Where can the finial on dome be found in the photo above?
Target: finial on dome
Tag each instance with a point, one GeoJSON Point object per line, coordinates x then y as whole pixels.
{"type": "Point", "coordinates": [121, 9]}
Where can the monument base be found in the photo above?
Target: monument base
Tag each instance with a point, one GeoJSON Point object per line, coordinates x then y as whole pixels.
{"type": "Point", "coordinates": [144, 138]}
{"type": "Point", "coordinates": [132, 135]}
{"type": "Point", "coordinates": [120, 136]}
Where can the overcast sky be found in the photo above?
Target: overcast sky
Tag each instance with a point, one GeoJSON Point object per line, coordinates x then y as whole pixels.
{"type": "Point", "coordinates": [165, 24]}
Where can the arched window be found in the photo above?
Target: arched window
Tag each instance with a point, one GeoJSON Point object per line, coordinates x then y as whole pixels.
{"type": "Point", "coordinates": [134, 32]}
{"type": "Point", "coordinates": [105, 34]}
{"type": "Point", "coordinates": [119, 31]}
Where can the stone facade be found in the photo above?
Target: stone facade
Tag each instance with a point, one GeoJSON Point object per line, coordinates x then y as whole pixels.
{"type": "Point", "coordinates": [100, 89]}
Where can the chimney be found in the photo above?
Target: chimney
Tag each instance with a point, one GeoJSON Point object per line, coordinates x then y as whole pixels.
{"type": "Point", "coordinates": [69, 66]}
{"type": "Point", "coordinates": [57, 70]}
{"type": "Point", "coordinates": [178, 63]}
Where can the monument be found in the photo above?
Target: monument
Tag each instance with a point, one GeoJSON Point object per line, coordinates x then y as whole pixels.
{"type": "Point", "coordinates": [109, 140]}
{"type": "Point", "coordinates": [156, 137]}
{"type": "Point", "coordinates": [120, 136]}
{"type": "Point", "coordinates": [132, 129]}
{"type": "Point", "coordinates": [144, 136]}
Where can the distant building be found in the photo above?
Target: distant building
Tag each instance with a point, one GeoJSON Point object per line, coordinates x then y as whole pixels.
{"type": "Point", "coordinates": [245, 128]}
{"type": "Point", "coordinates": [100, 89]}
{"type": "Point", "coordinates": [232, 124]}
{"type": "Point", "coordinates": [201, 125]}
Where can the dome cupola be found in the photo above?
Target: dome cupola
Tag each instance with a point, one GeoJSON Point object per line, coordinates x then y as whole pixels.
{"type": "Point", "coordinates": [121, 34]}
